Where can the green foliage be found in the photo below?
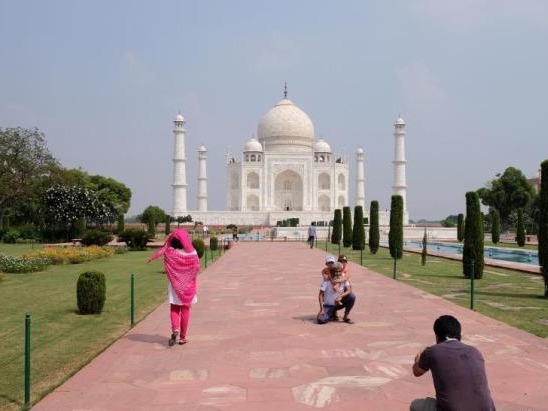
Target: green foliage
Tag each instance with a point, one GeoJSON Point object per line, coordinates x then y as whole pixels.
{"type": "Point", "coordinates": [495, 225]}
{"type": "Point", "coordinates": [449, 221]}
{"type": "Point", "coordinates": [11, 236]}
{"type": "Point", "coordinates": [11, 264]}
{"type": "Point", "coordinates": [167, 229]}
{"type": "Point", "coordinates": [460, 227]}
{"type": "Point", "coordinates": [543, 224]}
{"type": "Point", "coordinates": [120, 223]}
{"type": "Point", "coordinates": [507, 193]}
{"type": "Point", "coordinates": [347, 227]}
{"type": "Point", "coordinates": [473, 238]}
{"type": "Point", "coordinates": [374, 235]}
{"type": "Point", "coordinates": [91, 292]}
{"type": "Point", "coordinates": [395, 235]}
{"type": "Point", "coordinates": [111, 192]}
{"type": "Point", "coordinates": [152, 216]}
{"type": "Point", "coordinates": [135, 238]}
{"type": "Point", "coordinates": [199, 246]}
{"type": "Point", "coordinates": [358, 233]}
{"type": "Point", "coordinates": [337, 227]}
{"type": "Point", "coordinates": [66, 205]}
{"type": "Point", "coordinates": [424, 251]}
{"type": "Point", "coordinates": [184, 219]}
{"type": "Point", "coordinates": [214, 243]}
{"type": "Point", "coordinates": [96, 237]}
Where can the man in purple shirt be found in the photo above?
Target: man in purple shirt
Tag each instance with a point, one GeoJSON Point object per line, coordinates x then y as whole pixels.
{"type": "Point", "coordinates": [458, 371]}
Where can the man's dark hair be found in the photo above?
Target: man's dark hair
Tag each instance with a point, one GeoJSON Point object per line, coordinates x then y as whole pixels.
{"type": "Point", "coordinates": [445, 327]}
{"type": "Point", "coordinates": [176, 243]}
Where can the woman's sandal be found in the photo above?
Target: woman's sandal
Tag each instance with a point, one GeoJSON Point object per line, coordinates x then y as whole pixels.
{"type": "Point", "coordinates": [173, 338]}
{"type": "Point", "coordinates": [182, 341]}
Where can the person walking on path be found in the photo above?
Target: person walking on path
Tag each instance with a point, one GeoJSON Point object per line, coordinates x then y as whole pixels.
{"type": "Point", "coordinates": [182, 265]}
{"type": "Point", "coordinates": [311, 234]}
{"type": "Point", "coordinates": [458, 371]}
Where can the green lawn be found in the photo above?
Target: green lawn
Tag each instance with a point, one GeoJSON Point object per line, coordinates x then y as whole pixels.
{"type": "Point", "coordinates": [62, 340]}
{"type": "Point", "coordinates": [509, 296]}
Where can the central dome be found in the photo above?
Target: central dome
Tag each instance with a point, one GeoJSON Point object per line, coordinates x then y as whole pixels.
{"type": "Point", "coordinates": [285, 127]}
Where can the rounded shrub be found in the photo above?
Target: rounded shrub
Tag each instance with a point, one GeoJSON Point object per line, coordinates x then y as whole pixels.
{"type": "Point", "coordinates": [214, 243]}
{"type": "Point", "coordinates": [199, 246]}
{"type": "Point", "coordinates": [96, 237]}
{"type": "Point", "coordinates": [91, 292]}
{"type": "Point", "coordinates": [135, 238]}
{"type": "Point", "coordinates": [11, 236]}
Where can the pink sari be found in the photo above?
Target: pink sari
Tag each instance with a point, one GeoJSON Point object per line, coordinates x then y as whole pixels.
{"type": "Point", "coordinates": [181, 269]}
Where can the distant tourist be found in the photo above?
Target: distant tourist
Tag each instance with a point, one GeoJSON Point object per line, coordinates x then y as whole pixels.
{"type": "Point", "coordinates": [311, 234]}
{"type": "Point", "coordinates": [182, 265]}
{"type": "Point", "coordinates": [458, 371]}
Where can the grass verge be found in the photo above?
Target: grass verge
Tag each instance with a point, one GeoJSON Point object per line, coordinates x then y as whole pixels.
{"type": "Point", "coordinates": [509, 296]}
{"type": "Point", "coordinates": [63, 341]}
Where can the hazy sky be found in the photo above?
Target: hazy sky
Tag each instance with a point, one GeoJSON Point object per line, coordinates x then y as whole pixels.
{"type": "Point", "coordinates": [105, 79]}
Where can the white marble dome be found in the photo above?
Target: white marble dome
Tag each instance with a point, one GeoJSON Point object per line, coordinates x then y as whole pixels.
{"type": "Point", "coordinates": [202, 149]}
{"type": "Point", "coordinates": [253, 145]}
{"type": "Point", "coordinates": [321, 146]}
{"type": "Point", "coordinates": [285, 127]}
{"type": "Point", "coordinates": [179, 118]}
{"type": "Point", "coordinates": [399, 122]}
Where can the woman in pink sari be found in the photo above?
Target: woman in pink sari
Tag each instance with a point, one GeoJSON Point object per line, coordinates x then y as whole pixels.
{"type": "Point", "coordinates": [182, 265]}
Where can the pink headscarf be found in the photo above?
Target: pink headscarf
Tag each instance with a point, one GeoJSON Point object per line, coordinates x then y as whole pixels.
{"type": "Point", "coordinates": [181, 268]}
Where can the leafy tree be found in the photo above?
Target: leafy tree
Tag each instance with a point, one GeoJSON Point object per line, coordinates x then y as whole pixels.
{"type": "Point", "coordinates": [184, 219]}
{"type": "Point", "coordinates": [495, 225]}
{"type": "Point", "coordinates": [509, 192]}
{"type": "Point", "coordinates": [460, 227]}
{"type": "Point", "coordinates": [347, 227]}
{"type": "Point", "coordinates": [168, 221]}
{"type": "Point", "coordinates": [120, 220]}
{"type": "Point", "coordinates": [450, 221]}
{"type": "Point", "coordinates": [67, 206]}
{"type": "Point", "coordinates": [25, 163]}
{"type": "Point", "coordinates": [337, 227]}
{"type": "Point", "coordinates": [358, 233]}
{"type": "Point", "coordinates": [543, 224]}
{"type": "Point", "coordinates": [111, 192]}
{"type": "Point", "coordinates": [395, 235]}
{"type": "Point", "coordinates": [374, 235]}
{"type": "Point", "coordinates": [152, 216]}
{"type": "Point", "coordinates": [424, 248]}
{"type": "Point", "coordinates": [473, 238]}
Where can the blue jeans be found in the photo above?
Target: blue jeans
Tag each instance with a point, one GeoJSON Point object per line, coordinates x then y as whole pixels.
{"type": "Point", "coordinates": [331, 310]}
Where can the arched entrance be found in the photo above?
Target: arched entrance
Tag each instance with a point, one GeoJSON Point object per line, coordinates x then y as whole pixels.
{"type": "Point", "coordinates": [288, 191]}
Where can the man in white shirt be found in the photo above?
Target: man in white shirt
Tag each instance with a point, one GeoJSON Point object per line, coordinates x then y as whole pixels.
{"type": "Point", "coordinates": [335, 296]}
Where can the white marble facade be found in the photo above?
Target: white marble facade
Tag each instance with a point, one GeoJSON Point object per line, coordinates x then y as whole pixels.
{"type": "Point", "coordinates": [285, 172]}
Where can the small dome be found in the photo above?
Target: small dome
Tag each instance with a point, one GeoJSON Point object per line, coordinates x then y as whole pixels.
{"type": "Point", "coordinates": [320, 146]}
{"type": "Point", "coordinates": [359, 150]}
{"type": "Point", "coordinates": [399, 122]}
{"type": "Point", "coordinates": [179, 118]}
{"type": "Point", "coordinates": [253, 145]}
{"type": "Point", "coordinates": [202, 149]}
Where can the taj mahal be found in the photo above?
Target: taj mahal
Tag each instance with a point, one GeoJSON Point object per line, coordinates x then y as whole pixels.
{"type": "Point", "coordinates": [286, 172]}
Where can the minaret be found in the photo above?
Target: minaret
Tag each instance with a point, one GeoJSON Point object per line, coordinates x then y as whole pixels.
{"type": "Point", "coordinates": [400, 186]}
{"type": "Point", "coordinates": [202, 179]}
{"type": "Point", "coordinates": [360, 179]}
{"type": "Point", "coordinates": [179, 167]}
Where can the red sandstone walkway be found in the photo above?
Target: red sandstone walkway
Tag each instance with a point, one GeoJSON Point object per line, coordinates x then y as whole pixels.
{"type": "Point", "coordinates": [254, 347]}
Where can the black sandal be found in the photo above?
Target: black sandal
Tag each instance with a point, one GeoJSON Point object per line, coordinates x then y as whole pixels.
{"type": "Point", "coordinates": [173, 338]}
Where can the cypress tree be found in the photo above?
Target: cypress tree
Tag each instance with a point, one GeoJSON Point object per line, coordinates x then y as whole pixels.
{"type": "Point", "coordinates": [460, 227]}
{"type": "Point", "coordinates": [495, 225]}
{"type": "Point", "coordinates": [543, 224]}
{"type": "Point", "coordinates": [167, 229]}
{"type": "Point", "coordinates": [473, 237]}
{"type": "Point", "coordinates": [337, 227]}
{"type": "Point", "coordinates": [374, 236]}
{"type": "Point", "coordinates": [424, 251]}
{"type": "Point", "coordinates": [358, 234]}
{"type": "Point", "coordinates": [395, 235]}
{"type": "Point", "coordinates": [347, 227]}
{"type": "Point", "coordinates": [120, 223]}
{"type": "Point", "coordinates": [520, 229]}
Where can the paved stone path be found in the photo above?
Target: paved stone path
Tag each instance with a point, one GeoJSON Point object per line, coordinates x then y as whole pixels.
{"type": "Point", "coordinates": [254, 346]}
